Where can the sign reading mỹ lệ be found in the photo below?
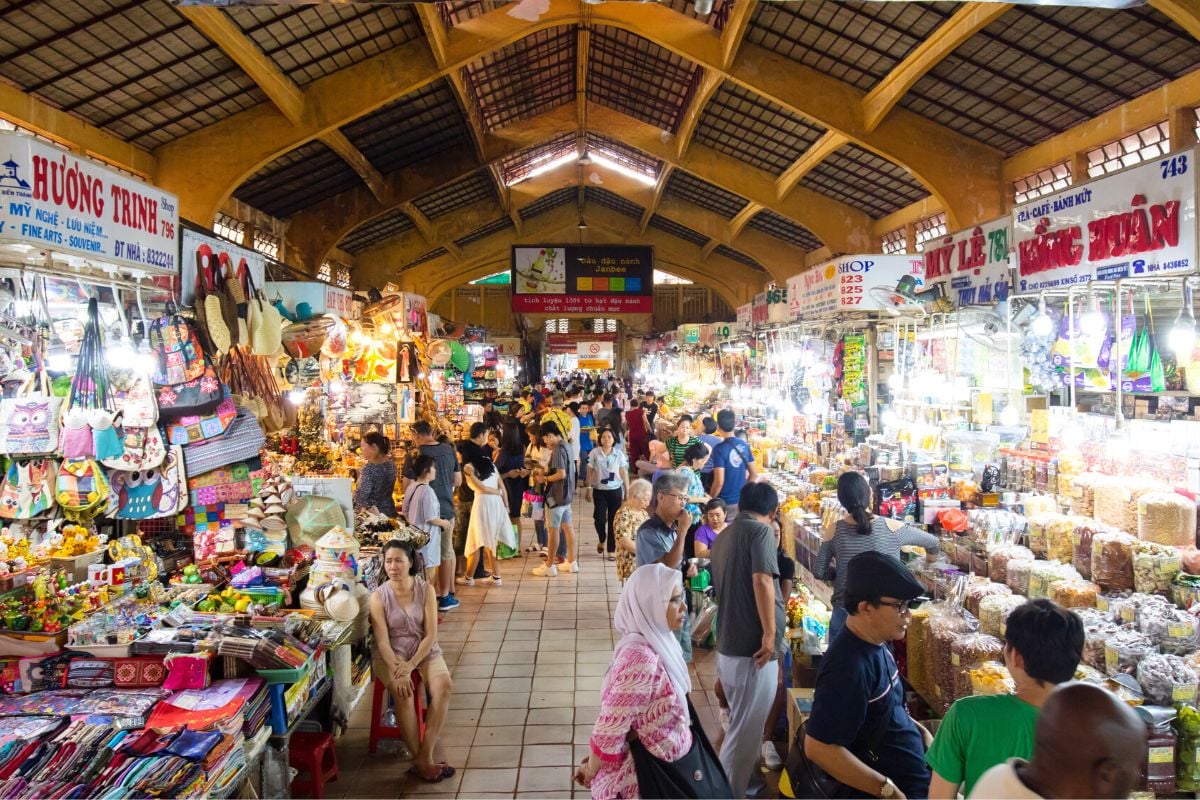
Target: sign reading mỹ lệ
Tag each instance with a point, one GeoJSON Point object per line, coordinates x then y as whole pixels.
{"type": "Point", "coordinates": [54, 200]}
{"type": "Point", "coordinates": [845, 284]}
{"type": "Point", "coordinates": [972, 264]}
{"type": "Point", "coordinates": [1137, 222]}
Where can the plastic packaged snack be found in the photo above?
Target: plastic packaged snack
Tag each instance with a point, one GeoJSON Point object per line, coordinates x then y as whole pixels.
{"type": "Point", "coordinates": [1166, 518]}
{"type": "Point", "coordinates": [978, 590]}
{"type": "Point", "coordinates": [1074, 593]}
{"type": "Point", "coordinates": [945, 629]}
{"type": "Point", "coordinates": [1109, 604]}
{"type": "Point", "coordinates": [1095, 637]}
{"type": "Point", "coordinates": [1172, 630]}
{"type": "Point", "coordinates": [968, 652]}
{"type": "Point", "coordinates": [1118, 501]}
{"type": "Point", "coordinates": [991, 678]}
{"type": "Point", "coordinates": [1083, 493]}
{"type": "Point", "coordinates": [1155, 567]}
{"type": "Point", "coordinates": [1081, 544]}
{"type": "Point", "coordinates": [1124, 649]}
{"type": "Point", "coordinates": [1018, 575]}
{"type": "Point", "coordinates": [1130, 609]}
{"type": "Point", "coordinates": [1167, 680]}
{"type": "Point", "coordinates": [1000, 556]}
{"type": "Point", "coordinates": [917, 651]}
{"type": "Point", "coordinates": [1112, 560]}
{"type": "Point", "coordinates": [1089, 674]}
{"type": "Point", "coordinates": [993, 612]}
{"type": "Point", "coordinates": [1044, 573]}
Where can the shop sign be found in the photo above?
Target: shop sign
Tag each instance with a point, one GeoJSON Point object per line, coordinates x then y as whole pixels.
{"type": "Point", "coordinates": [723, 331]}
{"type": "Point", "coordinates": [583, 279]}
{"type": "Point", "coordinates": [689, 334]}
{"type": "Point", "coordinates": [192, 241]}
{"type": "Point", "coordinates": [777, 304]}
{"type": "Point", "coordinates": [51, 199]}
{"type": "Point", "coordinates": [1137, 222]}
{"type": "Point", "coordinates": [972, 264]}
{"type": "Point", "coordinates": [568, 342]}
{"type": "Point", "coordinates": [758, 312]}
{"type": "Point", "coordinates": [321, 297]}
{"type": "Point", "coordinates": [745, 317]}
{"type": "Point", "coordinates": [845, 284]}
{"type": "Point", "coordinates": [507, 345]}
{"type": "Point", "coordinates": [339, 301]}
{"type": "Point", "coordinates": [595, 355]}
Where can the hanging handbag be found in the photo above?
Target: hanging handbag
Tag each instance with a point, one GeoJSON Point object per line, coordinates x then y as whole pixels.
{"type": "Point", "coordinates": [177, 350]}
{"type": "Point", "coordinates": [148, 494]}
{"type": "Point", "coordinates": [197, 428]}
{"type": "Point", "coordinates": [133, 397]}
{"type": "Point", "coordinates": [28, 488]}
{"type": "Point", "coordinates": [30, 425]}
{"type": "Point", "coordinates": [264, 321]}
{"type": "Point", "coordinates": [697, 774]}
{"type": "Point", "coordinates": [195, 397]}
{"type": "Point", "coordinates": [81, 488]}
{"type": "Point", "coordinates": [143, 449]}
{"type": "Point", "coordinates": [234, 483]}
{"type": "Point", "coordinates": [801, 778]}
{"type": "Point", "coordinates": [210, 312]}
{"type": "Point", "coordinates": [242, 442]}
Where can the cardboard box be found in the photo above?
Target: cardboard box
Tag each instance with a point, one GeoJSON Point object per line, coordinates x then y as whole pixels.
{"type": "Point", "coordinates": [799, 705]}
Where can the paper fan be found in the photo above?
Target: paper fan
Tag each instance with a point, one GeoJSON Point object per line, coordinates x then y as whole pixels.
{"type": "Point", "coordinates": [335, 340]}
{"type": "Point", "coordinates": [440, 352]}
{"type": "Point", "coordinates": [459, 357]}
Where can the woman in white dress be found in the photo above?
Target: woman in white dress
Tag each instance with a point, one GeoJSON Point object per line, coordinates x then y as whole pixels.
{"type": "Point", "coordinates": [489, 524]}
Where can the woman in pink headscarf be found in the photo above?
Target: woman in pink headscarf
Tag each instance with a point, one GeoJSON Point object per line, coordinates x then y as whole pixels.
{"type": "Point", "coordinates": [646, 687]}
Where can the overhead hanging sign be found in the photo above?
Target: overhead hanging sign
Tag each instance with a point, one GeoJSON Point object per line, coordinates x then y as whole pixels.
{"type": "Point", "coordinates": [758, 311]}
{"type": "Point", "coordinates": [51, 199]}
{"type": "Point", "coordinates": [569, 342]}
{"type": "Point", "coordinates": [972, 264]}
{"type": "Point", "coordinates": [845, 284]}
{"type": "Point", "coordinates": [689, 334]}
{"type": "Point", "coordinates": [595, 355]}
{"type": "Point", "coordinates": [197, 245]}
{"type": "Point", "coordinates": [777, 304]}
{"type": "Point", "coordinates": [583, 279]}
{"type": "Point", "coordinates": [1138, 222]}
{"type": "Point", "coordinates": [745, 317]}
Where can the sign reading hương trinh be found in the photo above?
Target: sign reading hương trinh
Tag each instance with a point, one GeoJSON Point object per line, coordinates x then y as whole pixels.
{"type": "Point", "coordinates": [1137, 222]}
{"type": "Point", "coordinates": [55, 200]}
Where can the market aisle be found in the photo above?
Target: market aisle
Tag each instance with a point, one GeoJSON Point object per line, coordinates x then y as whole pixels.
{"type": "Point", "coordinates": [527, 659]}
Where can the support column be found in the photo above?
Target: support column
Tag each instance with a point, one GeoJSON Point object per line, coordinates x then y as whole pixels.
{"type": "Point", "coordinates": [910, 237]}
{"type": "Point", "coordinates": [1079, 168]}
{"type": "Point", "coordinates": [1181, 126]}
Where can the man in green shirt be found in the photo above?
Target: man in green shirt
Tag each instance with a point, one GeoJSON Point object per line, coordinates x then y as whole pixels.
{"type": "Point", "coordinates": [1043, 643]}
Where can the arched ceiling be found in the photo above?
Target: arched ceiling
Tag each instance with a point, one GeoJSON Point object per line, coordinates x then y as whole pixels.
{"type": "Point", "coordinates": [761, 131]}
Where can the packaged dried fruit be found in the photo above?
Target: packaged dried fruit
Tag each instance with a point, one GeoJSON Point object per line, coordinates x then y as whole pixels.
{"type": "Point", "coordinates": [1074, 593]}
{"type": "Point", "coordinates": [1166, 518]}
{"type": "Point", "coordinates": [1045, 573]}
{"type": "Point", "coordinates": [1018, 575]}
{"type": "Point", "coordinates": [1155, 567]}
{"type": "Point", "coordinates": [945, 629]}
{"type": "Point", "coordinates": [1112, 560]}
{"type": "Point", "coordinates": [991, 678]}
{"type": "Point", "coordinates": [977, 590]}
{"type": "Point", "coordinates": [968, 652]}
{"type": "Point", "coordinates": [994, 610]}
{"type": "Point", "coordinates": [1095, 636]}
{"type": "Point", "coordinates": [999, 557]}
{"type": "Point", "coordinates": [1167, 680]}
{"type": "Point", "coordinates": [1173, 630]}
{"type": "Point", "coordinates": [1124, 649]}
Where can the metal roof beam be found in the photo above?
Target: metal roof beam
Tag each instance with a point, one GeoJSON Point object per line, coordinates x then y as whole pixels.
{"type": "Point", "coordinates": [820, 150]}
{"type": "Point", "coordinates": [241, 49]}
{"type": "Point", "coordinates": [659, 188]}
{"type": "Point", "coordinates": [735, 30]}
{"type": "Point", "coordinates": [1184, 13]}
{"type": "Point", "coordinates": [337, 142]}
{"type": "Point", "coordinates": [968, 20]}
{"type": "Point", "coordinates": [691, 119]}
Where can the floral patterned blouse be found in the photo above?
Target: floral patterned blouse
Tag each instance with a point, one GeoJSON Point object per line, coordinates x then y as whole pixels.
{"type": "Point", "coordinates": [636, 694]}
{"type": "Point", "coordinates": [625, 526]}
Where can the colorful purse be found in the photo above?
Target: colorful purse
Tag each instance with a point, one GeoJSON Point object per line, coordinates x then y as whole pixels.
{"type": "Point", "coordinates": [29, 426]}
{"type": "Point", "coordinates": [198, 396]}
{"type": "Point", "coordinates": [177, 350]}
{"type": "Point", "coordinates": [139, 672]}
{"type": "Point", "coordinates": [197, 428]}
{"type": "Point", "coordinates": [81, 488]}
{"type": "Point", "coordinates": [233, 483]}
{"type": "Point", "coordinates": [89, 673]}
{"type": "Point", "coordinates": [28, 488]}
{"type": "Point", "coordinates": [150, 493]}
{"type": "Point", "coordinates": [133, 397]}
{"type": "Point", "coordinates": [242, 442]}
{"type": "Point", "coordinates": [144, 449]}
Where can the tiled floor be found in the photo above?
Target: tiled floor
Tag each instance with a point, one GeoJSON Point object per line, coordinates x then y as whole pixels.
{"type": "Point", "coordinates": [527, 659]}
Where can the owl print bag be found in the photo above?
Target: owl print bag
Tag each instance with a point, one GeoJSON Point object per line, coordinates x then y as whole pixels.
{"type": "Point", "coordinates": [149, 493]}
{"type": "Point", "coordinates": [30, 424]}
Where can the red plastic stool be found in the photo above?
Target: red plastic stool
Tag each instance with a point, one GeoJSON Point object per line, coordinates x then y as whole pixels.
{"type": "Point", "coordinates": [315, 754]}
{"type": "Point", "coordinates": [379, 705]}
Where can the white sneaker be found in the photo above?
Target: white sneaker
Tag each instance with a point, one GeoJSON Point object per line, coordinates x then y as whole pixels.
{"type": "Point", "coordinates": [465, 580]}
{"type": "Point", "coordinates": [770, 757]}
{"type": "Point", "coordinates": [724, 715]}
{"type": "Point", "coordinates": [571, 566]}
{"type": "Point", "coordinates": [494, 581]}
{"type": "Point", "coordinates": [545, 571]}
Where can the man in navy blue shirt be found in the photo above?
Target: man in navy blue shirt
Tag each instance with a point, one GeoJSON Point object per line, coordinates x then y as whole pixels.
{"type": "Point", "coordinates": [859, 731]}
{"type": "Point", "coordinates": [733, 464]}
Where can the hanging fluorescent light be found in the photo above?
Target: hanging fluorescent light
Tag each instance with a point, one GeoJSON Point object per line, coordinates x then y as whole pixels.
{"type": "Point", "coordinates": [1182, 337]}
{"type": "Point", "coordinates": [704, 7]}
{"type": "Point", "coordinates": [1041, 325]}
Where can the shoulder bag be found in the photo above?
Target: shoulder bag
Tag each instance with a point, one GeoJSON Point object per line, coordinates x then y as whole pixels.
{"type": "Point", "coordinates": [802, 778]}
{"type": "Point", "coordinates": [698, 774]}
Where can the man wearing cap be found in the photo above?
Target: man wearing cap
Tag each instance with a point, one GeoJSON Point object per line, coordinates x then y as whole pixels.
{"type": "Point", "coordinates": [859, 730]}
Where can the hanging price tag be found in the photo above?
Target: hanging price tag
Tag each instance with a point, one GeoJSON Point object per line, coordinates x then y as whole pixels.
{"type": "Point", "coordinates": [1039, 426]}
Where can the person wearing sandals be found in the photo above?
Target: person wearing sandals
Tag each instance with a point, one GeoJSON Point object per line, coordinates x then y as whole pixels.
{"type": "Point", "coordinates": [404, 619]}
{"type": "Point", "coordinates": [489, 525]}
{"type": "Point", "coordinates": [629, 518]}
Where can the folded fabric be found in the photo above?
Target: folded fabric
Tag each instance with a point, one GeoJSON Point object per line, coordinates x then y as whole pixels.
{"type": "Point", "coordinates": [194, 745]}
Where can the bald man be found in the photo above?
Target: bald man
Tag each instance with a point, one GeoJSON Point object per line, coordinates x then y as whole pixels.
{"type": "Point", "coordinates": [1088, 744]}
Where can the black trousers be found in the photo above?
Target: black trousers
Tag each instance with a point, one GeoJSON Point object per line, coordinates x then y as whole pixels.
{"type": "Point", "coordinates": [605, 504]}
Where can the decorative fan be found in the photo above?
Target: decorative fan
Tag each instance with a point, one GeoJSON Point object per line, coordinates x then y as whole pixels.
{"type": "Point", "coordinates": [440, 352]}
{"type": "Point", "coordinates": [905, 299]}
{"type": "Point", "coordinates": [459, 357]}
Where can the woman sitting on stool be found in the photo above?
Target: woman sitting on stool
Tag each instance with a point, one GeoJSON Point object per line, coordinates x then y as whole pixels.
{"type": "Point", "coordinates": [404, 620]}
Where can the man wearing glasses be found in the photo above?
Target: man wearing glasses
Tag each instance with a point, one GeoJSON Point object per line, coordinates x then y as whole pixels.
{"type": "Point", "coordinates": [859, 730]}
{"type": "Point", "coordinates": [660, 539]}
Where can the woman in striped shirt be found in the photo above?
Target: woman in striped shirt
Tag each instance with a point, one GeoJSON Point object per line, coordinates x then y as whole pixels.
{"type": "Point", "coordinates": [858, 532]}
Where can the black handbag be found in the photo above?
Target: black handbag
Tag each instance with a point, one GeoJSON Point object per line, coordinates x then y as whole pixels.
{"type": "Point", "coordinates": [697, 774]}
{"type": "Point", "coordinates": [802, 778]}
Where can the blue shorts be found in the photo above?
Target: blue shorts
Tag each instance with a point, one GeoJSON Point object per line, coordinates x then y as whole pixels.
{"type": "Point", "coordinates": [558, 516]}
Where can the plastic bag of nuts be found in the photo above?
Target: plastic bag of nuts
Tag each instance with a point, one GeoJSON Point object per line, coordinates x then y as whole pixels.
{"type": "Point", "coordinates": [1074, 593]}
{"type": "Point", "coordinates": [1018, 575]}
{"type": "Point", "coordinates": [1155, 567]}
{"type": "Point", "coordinates": [917, 646]}
{"type": "Point", "coordinates": [1166, 518]}
{"type": "Point", "coordinates": [1124, 649]}
{"type": "Point", "coordinates": [1131, 608]}
{"type": "Point", "coordinates": [1095, 636]}
{"type": "Point", "coordinates": [978, 590]}
{"type": "Point", "coordinates": [1173, 630]}
{"type": "Point", "coordinates": [1167, 679]}
{"type": "Point", "coordinates": [1000, 555]}
{"type": "Point", "coordinates": [1112, 560]}
{"type": "Point", "coordinates": [993, 612]}
{"type": "Point", "coordinates": [946, 628]}
{"type": "Point", "coordinates": [969, 652]}
{"type": "Point", "coordinates": [1081, 544]}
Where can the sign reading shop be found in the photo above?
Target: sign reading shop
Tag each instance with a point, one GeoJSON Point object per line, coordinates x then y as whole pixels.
{"type": "Point", "coordinates": [599, 279]}
{"type": "Point", "coordinates": [52, 199]}
{"type": "Point", "coordinates": [1137, 222]}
